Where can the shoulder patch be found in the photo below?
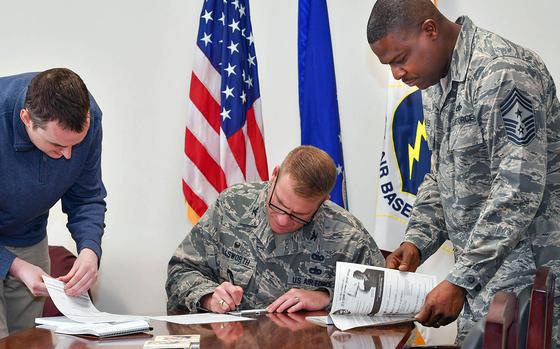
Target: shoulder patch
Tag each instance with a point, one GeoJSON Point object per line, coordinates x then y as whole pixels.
{"type": "Point", "coordinates": [519, 118]}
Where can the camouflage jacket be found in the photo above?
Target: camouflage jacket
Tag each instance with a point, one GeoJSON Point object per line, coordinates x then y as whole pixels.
{"type": "Point", "coordinates": [234, 234]}
{"type": "Point", "coordinates": [494, 130]}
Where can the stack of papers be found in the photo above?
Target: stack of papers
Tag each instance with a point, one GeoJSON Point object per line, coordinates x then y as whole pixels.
{"type": "Point", "coordinates": [62, 324]}
{"type": "Point", "coordinates": [83, 318]}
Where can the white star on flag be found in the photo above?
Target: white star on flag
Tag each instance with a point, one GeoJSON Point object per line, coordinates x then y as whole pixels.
{"type": "Point", "coordinates": [234, 25]}
{"type": "Point", "coordinates": [207, 16]}
{"type": "Point", "coordinates": [338, 169]}
{"type": "Point", "coordinates": [228, 92]}
{"type": "Point", "coordinates": [250, 38]}
{"type": "Point", "coordinates": [251, 60]}
{"type": "Point", "coordinates": [230, 69]}
{"type": "Point", "coordinates": [233, 47]}
{"type": "Point", "coordinates": [206, 39]}
{"type": "Point", "coordinates": [249, 82]}
{"type": "Point", "coordinates": [225, 114]}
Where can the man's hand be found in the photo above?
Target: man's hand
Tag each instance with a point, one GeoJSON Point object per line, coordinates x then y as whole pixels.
{"type": "Point", "coordinates": [442, 305]}
{"type": "Point", "coordinates": [225, 298]}
{"type": "Point", "coordinates": [82, 275]}
{"type": "Point", "coordinates": [298, 299]}
{"type": "Point", "coordinates": [292, 321]}
{"type": "Point", "coordinates": [30, 275]}
{"type": "Point", "coordinates": [228, 332]}
{"type": "Point", "coordinates": [404, 258]}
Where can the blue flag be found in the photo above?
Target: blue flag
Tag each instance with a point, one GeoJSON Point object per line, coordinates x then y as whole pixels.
{"type": "Point", "coordinates": [318, 104]}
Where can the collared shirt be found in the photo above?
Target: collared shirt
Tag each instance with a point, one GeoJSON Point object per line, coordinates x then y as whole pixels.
{"type": "Point", "coordinates": [494, 130]}
{"type": "Point", "coordinates": [31, 182]}
{"type": "Point", "coordinates": [234, 235]}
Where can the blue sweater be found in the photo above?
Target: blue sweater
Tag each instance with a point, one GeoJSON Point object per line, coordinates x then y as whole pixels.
{"type": "Point", "coordinates": [31, 182]}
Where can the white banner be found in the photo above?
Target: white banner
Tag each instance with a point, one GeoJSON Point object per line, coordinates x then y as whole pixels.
{"type": "Point", "coordinates": [404, 162]}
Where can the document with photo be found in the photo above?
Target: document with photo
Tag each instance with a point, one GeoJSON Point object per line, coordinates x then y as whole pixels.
{"type": "Point", "coordinates": [372, 296]}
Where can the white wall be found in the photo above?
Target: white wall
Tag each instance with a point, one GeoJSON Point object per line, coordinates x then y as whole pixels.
{"type": "Point", "coordinates": [136, 57]}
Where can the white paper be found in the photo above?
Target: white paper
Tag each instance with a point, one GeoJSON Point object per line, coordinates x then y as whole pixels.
{"type": "Point", "coordinates": [61, 324]}
{"type": "Point", "coordinates": [369, 296]}
{"type": "Point", "coordinates": [81, 309]}
{"type": "Point", "coordinates": [202, 318]}
{"type": "Point", "coordinates": [347, 322]}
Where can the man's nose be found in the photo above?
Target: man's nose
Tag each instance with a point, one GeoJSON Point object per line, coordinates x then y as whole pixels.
{"type": "Point", "coordinates": [398, 72]}
{"type": "Point", "coordinates": [66, 152]}
{"type": "Point", "coordinates": [283, 219]}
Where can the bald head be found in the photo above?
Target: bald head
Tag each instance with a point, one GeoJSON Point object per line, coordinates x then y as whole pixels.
{"type": "Point", "coordinates": [390, 16]}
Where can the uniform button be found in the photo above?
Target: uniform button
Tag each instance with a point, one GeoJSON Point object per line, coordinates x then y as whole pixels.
{"type": "Point", "coordinates": [478, 288]}
{"type": "Point", "coordinates": [470, 279]}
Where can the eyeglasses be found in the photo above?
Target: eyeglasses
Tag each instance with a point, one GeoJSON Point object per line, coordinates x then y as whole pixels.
{"type": "Point", "coordinates": [279, 210]}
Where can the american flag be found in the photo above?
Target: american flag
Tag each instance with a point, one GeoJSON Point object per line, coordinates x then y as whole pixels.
{"type": "Point", "coordinates": [224, 139]}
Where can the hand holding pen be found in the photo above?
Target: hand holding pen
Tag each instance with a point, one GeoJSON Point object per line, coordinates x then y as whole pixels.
{"type": "Point", "coordinates": [226, 297]}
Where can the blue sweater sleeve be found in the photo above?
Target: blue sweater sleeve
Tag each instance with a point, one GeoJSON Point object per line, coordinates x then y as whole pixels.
{"type": "Point", "coordinates": [84, 202]}
{"type": "Point", "coordinates": [6, 259]}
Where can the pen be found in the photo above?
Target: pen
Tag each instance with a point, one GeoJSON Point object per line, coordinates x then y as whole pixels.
{"type": "Point", "coordinates": [230, 276]}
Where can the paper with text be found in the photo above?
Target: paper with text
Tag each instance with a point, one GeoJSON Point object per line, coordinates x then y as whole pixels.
{"type": "Point", "coordinates": [202, 318]}
{"type": "Point", "coordinates": [81, 309]}
{"type": "Point", "coordinates": [368, 296]}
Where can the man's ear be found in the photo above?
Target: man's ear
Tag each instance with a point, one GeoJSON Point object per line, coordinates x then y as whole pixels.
{"type": "Point", "coordinates": [430, 28]}
{"type": "Point", "coordinates": [275, 171]}
{"type": "Point", "coordinates": [26, 118]}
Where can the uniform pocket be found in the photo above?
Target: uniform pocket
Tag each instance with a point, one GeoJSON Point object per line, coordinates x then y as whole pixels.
{"type": "Point", "coordinates": [465, 136]}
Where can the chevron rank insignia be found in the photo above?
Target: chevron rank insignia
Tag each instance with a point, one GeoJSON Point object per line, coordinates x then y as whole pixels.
{"type": "Point", "coordinates": [519, 118]}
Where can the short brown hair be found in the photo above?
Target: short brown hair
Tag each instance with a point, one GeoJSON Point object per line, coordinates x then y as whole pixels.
{"type": "Point", "coordinates": [312, 170]}
{"type": "Point", "coordinates": [58, 94]}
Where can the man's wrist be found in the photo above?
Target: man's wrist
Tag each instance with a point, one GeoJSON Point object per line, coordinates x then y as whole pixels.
{"type": "Point", "coordinates": [16, 266]}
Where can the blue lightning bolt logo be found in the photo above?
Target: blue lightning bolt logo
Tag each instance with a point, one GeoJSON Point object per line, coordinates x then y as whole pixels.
{"type": "Point", "coordinates": [414, 152]}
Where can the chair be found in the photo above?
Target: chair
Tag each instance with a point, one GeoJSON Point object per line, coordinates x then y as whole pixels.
{"type": "Point", "coordinates": [62, 261]}
{"type": "Point", "coordinates": [523, 304]}
{"type": "Point", "coordinates": [500, 330]}
{"type": "Point", "coordinates": [539, 327]}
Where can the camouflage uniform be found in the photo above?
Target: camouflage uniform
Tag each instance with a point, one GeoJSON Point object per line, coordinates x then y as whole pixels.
{"type": "Point", "coordinates": [234, 234]}
{"type": "Point", "coordinates": [494, 130]}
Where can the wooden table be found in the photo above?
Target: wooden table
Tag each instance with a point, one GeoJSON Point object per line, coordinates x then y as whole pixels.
{"type": "Point", "coordinates": [268, 331]}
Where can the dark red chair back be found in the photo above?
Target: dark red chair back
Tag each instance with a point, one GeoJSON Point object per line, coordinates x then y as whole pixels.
{"type": "Point", "coordinates": [500, 330]}
{"type": "Point", "coordinates": [539, 328]}
{"type": "Point", "coordinates": [62, 261]}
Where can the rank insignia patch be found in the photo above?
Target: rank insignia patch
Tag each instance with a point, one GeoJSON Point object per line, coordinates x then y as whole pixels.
{"type": "Point", "coordinates": [519, 118]}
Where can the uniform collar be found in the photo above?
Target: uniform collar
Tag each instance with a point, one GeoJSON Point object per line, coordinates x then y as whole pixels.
{"type": "Point", "coordinates": [22, 142]}
{"type": "Point", "coordinates": [463, 49]}
{"type": "Point", "coordinates": [256, 217]}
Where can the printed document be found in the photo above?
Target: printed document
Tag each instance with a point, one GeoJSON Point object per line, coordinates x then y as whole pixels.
{"type": "Point", "coordinates": [201, 318]}
{"type": "Point", "coordinates": [81, 309]}
{"type": "Point", "coordinates": [61, 324]}
{"type": "Point", "coordinates": [370, 296]}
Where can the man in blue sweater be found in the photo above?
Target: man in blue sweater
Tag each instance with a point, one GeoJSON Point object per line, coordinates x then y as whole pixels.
{"type": "Point", "coordinates": [50, 149]}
